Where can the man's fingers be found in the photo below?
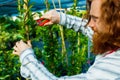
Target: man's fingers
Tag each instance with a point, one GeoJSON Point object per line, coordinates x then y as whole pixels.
{"type": "Point", "coordinates": [48, 23]}
{"type": "Point", "coordinates": [21, 41]}
{"type": "Point", "coordinates": [45, 16]}
{"type": "Point", "coordinates": [15, 48]}
{"type": "Point", "coordinates": [15, 52]}
{"type": "Point", "coordinates": [17, 43]}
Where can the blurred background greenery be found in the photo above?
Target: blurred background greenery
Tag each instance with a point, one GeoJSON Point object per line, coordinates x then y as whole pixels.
{"type": "Point", "coordinates": [63, 51]}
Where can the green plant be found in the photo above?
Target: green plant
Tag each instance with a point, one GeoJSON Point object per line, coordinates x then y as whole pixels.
{"type": "Point", "coordinates": [50, 49]}
{"type": "Point", "coordinates": [8, 36]}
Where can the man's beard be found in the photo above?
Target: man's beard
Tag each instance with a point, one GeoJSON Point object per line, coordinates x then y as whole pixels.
{"type": "Point", "coordinates": [98, 43]}
{"type": "Point", "coordinates": [103, 43]}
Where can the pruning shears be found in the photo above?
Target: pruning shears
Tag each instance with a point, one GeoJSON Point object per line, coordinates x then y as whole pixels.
{"type": "Point", "coordinates": [42, 21]}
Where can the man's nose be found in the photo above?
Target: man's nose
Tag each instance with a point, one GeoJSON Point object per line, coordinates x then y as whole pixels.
{"type": "Point", "coordinates": [91, 24]}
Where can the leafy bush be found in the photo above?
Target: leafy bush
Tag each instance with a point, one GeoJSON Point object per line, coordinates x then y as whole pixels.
{"type": "Point", "coordinates": [9, 64]}
{"type": "Point", "coordinates": [46, 44]}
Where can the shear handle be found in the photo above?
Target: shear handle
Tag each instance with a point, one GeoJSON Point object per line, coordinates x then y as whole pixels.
{"type": "Point", "coordinates": [42, 21]}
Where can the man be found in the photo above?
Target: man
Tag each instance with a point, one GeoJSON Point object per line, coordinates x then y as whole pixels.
{"type": "Point", "coordinates": [105, 22]}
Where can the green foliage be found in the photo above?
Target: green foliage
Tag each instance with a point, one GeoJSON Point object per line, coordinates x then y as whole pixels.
{"type": "Point", "coordinates": [9, 64]}
{"type": "Point", "coordinates": [50, 52]}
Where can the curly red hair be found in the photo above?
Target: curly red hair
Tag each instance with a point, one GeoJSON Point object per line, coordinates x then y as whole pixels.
{"type": "Point", "coordinates": [109, 39]}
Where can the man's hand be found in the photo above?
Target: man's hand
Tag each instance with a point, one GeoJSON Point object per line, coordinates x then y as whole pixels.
{"type": "Point", "coordinates": [53, 16]}
{"type": "Point", "coordinates": [21, 46]}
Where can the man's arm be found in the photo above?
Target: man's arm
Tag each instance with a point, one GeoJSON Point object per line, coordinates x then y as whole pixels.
{"type": "Point", "coordinates": [69, 21]}
{"type": "Point", "coordinates": [33, 69]}
{"type": "Point", "coordinates": [76, 23]}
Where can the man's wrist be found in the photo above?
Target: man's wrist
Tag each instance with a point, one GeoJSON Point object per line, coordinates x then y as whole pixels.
{"type": "Point", "coordinates": [62, 18]}
{"type": "Point", "coordinates": [26, 54]}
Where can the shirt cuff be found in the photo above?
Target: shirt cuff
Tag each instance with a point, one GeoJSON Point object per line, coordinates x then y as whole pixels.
{"type": "Point", "coordinates": [27, 56]}
{"type": "Point", "coordinates": [62, 18]}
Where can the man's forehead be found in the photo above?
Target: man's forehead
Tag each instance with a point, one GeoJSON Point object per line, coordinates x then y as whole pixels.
{"type": "Point", "coordinates": [95, 8]}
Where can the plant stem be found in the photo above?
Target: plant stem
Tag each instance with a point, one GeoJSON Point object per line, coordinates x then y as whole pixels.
{"type": "Point", "coordinates": [26, 15]}
{"type": "Point", "coordinates": [64, 53]}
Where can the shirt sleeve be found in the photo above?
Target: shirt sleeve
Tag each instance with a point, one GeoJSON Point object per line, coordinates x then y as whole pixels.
{"type": "Point", "coordinates": [108, 65]}
{"type": "Point", "coordinates": [76, 23]}
{"type": "Point", "coordinates": [33, 69]}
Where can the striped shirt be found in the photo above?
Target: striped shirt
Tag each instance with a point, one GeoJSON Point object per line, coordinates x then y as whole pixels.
{"type": "Point", "coordinates": [105, 67]}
